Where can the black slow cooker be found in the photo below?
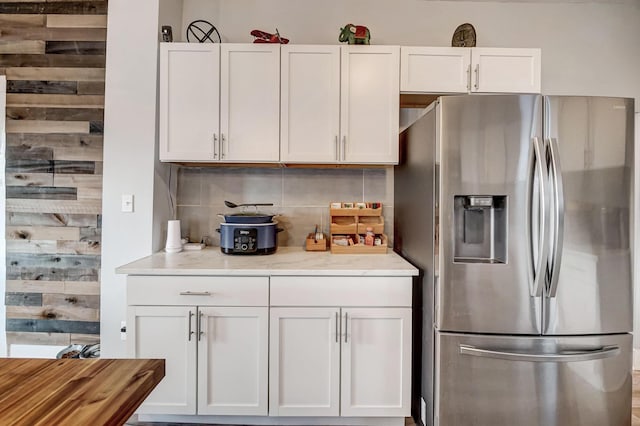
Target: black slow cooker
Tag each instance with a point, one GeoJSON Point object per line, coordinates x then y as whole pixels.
{"type": "Point", "coordinates": [249, 238]}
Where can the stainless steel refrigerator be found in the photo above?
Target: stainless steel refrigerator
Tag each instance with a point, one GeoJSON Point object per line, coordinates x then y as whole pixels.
{"type": "Point", "coordinates": [517, 210]}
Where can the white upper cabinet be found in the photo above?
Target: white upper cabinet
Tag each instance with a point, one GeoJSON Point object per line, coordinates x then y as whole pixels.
{"type": "Point", "coordinates": [189, 101]}
{"type": "Point", "coordinates": [219, 102]}
{"type": "Point", "coordinates": [250, 102]}
{"type": "Point", "coordinates": [310, 100]}
{"type": "Point", "coordinates": [470, 70]}
{"type": "Point", "coordinates": [434, 69]}
{"type": "Point", "coordinates": [370, 104]}
{"type": "Point", "coordinates": [340, 104]}
{"type": "Point", "coordinates": [505, 70]}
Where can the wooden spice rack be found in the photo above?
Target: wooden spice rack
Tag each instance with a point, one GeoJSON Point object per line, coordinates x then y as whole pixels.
{"type": "Point", "coordinates": [352, 222]}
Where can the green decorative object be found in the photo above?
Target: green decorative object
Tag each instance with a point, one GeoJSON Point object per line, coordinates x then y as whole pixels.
{"type": "Point", "coordinates": [354, 34]}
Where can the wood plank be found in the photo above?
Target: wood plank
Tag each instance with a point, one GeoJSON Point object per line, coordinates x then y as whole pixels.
{"type": "Point", "coordinates": [76, 21]}
{"type": "Point", "coordinates": [52, 326]}
{"type": "Point", "coordinates": [52, 219]}
{"type": "Point", "coordinates": [32, 246]}
{"type": "Point", "coordinates": [55, 101]}
{"type": "Point", "coordinates": [82, 287]}
{"type": "Point", "coordinates": [42, 233]}
{"type": "Point", "coordinates": [89, 186]}
{"type": "Point", "coordinates": [29, 179]}
{"type": "Point", "coordinates": [56, 114]}
{"type": "Point", "coordinates": [45, 8]}
{"type": "Point", "coordinates": [35, 286]}
{"type": "Point", "coordinates": [79, 154]}
{"type": "Point", "coordinates": [90, 234]}
{"type": "Point", "coordinates": [71, 300]}
{"type": "Point", "coordinates": [13, 20]}
{"type": "Point", "coordinates": [16, 260]}
{"type": "Point", "coordinates": [33, 47]}
{"type": "Point", "coordinates": [74, 167]}
{"type": "Point", "coordinates": [78, 247]}
{"type": "Point", "coordinates": [47, 126]}
{"type": "Point", "coordinates": [84, 339]}
{"type": "Point", "coordinates": [75, 392]}
{"type": "Point", "coordinates": [54, 141]}
{"type": "Point", "coordinates": [42, 86]}
{"type": "Point", "coordinates": [53, 60]}
{"type": "Point", "coordinates": [64, 313]}
{"type": "Point", "coordinates": [57, 34]}
{"type": "Point", "coordinates": [23, 299]}
{"type": "Point", "coordinates": [54, 206]}
{"type": "Point", "coordinates": [52, 274]}
{"type": "Point", "coordinates": [42, 192]}
{"type": "Point", "coordinates": [90, 88]}
{"type": "Point", "coordinates": [76, 47]}
{"type": "Point", "coordinates": [55, 339]}
{"type": "Point", "coordinates": [26, 152]}
{"type": "Point", "coordinates": [14, 165]}
{"type": "Point", "coordinates": [55, 73]}
{"type": "Point", "coordinates": [96, 127]}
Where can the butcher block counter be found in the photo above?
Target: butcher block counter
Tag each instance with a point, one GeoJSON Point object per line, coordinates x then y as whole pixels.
{"type": "Point", "coordinates": [286, 261]}
{"type": "Point", "coordinates": [75, 391]}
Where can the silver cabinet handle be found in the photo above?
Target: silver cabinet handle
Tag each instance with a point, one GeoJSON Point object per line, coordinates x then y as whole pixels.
{"type": "Point", "coordinates": [477, 76]}
{"type": "Point", "coordinates": [337, 149]}
{"type": "Point", "coordinates": [539, 268]}
{"type": "Point", "coordinates": [469, 77]}
{"type": "Point", "coordinates": [215, 146]}
{"type": "Point", "coordinates": [344, 148]}
{"type": "Point", "coordinates": [558, 199]}
{"type": "Point", "coordinates": [190, 331]}
{"type": "Point", "coordinates": [222, 141]}
{"type": "Point", "coordinates": [563, 356]}
{"type": "Point", "coordinates": [346, 321]}
{"type": "Point", "coordinates": [200, 332]}
{"type": "Point", "coordinates": [337, 328]}
{"type": "Point", "coordinates": [195, 293]}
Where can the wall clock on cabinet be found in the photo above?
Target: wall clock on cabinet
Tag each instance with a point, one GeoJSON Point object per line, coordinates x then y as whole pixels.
{"type": "Point", "coordinates": [464, 36]}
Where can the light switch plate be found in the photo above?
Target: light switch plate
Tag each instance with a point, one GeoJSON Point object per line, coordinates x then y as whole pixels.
{"type": "Point", "coordinates": [127, 203]}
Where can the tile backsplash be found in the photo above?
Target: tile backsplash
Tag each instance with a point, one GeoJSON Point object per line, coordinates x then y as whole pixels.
{"type": "Point", "coordinates": [300, 197]}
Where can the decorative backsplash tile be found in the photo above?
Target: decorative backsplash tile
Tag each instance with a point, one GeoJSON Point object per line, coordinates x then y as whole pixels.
{"type": "Point", "coordinates": [301, 197]}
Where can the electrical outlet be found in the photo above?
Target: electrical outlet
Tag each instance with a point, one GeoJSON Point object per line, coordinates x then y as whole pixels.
{"type": "Point", "coordinates": [123, 330]}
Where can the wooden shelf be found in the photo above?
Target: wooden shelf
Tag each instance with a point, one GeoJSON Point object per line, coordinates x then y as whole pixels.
{"type": "Point", "coordinates": [353, 222]}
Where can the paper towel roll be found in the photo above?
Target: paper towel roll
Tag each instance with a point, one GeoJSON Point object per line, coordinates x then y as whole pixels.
{"type": "Point", "coordinates": [174, 244]}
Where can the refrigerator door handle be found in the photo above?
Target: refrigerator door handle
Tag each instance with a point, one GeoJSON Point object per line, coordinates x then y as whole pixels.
{"type": "Point", "coordinates": [539, 267]}
{"type": "Point", "coordinates": [564, 356]}
{"type": "Point", "coordinates": [558, 199]}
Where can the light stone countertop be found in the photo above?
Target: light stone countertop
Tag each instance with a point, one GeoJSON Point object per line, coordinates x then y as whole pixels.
{"type": "Point", "coordinates": [286, 261]}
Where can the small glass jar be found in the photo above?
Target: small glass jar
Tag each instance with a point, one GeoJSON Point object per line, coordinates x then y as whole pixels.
{"type": "Point", "coordinates": [369, 237]}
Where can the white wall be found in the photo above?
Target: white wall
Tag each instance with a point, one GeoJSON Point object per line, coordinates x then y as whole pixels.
{"type": "Point", "coordinates": [129, 154]}
{"type": "Point", "coordinates": [587, 49]}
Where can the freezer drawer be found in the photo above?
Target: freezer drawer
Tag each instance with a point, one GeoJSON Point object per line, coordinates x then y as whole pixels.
{"type": "Point", "coordinates": [504, 380]}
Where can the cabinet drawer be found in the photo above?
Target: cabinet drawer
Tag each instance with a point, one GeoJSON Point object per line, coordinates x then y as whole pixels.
{"type": "Point", "coordinates": [202, 291]}
{"type": "Point", "coordinates": [341, 291]}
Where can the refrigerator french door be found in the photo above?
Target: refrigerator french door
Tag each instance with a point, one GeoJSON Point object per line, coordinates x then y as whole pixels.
{"type": "Point", "coordinates": [533, 297]}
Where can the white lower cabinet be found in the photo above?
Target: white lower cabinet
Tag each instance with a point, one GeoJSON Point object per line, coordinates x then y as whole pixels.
{"type": "Point", "coordinates": [340, 361]}
{"type": "Point", "coordinates": [216, 356]}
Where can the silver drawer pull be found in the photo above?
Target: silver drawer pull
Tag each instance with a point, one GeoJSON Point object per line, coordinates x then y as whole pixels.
{"type": "Point", "coordinates": [195, 293]}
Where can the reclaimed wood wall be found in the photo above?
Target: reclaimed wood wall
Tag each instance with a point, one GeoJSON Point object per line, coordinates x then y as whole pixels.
{"type": "Point", "coordinates": [53, 55]}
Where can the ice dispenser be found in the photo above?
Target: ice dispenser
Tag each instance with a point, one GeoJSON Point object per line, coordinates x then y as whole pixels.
{"type": "Point", "coordinates": [480, 233]}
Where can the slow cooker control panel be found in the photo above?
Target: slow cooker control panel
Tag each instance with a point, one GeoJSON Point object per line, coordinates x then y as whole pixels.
{"type": "Point", "coordinates": [245, 240]}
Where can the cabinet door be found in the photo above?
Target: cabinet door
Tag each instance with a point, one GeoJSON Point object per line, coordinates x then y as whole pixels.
{"type": "Point", "coordinates": [435, 69]}
{"type": "Point", "coordinates": [376, 362]}
{"type": "Point", "coordinates": [232, 360]}
{"type": "Point", "coordinates": [189, 101]}
{"type": "Point", "coordinates": [505, 70]}
{"type": "Point", "coordinates": [304, 369]}
{"type": "Point", "coordinates": [310, 103]}
{"type": "Point", "coordinates": [250, 102]}
{"type": "Point", "coordinates": [166, 332]}
{"type": "Point", "coordinates": [370, 104]}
